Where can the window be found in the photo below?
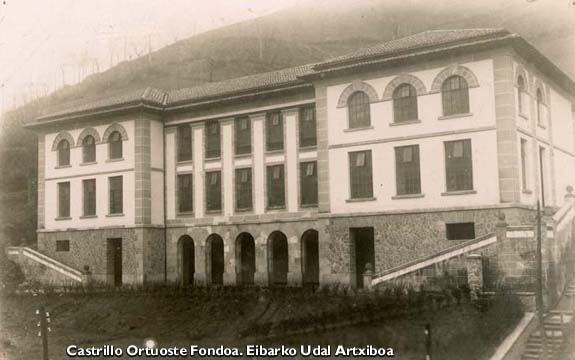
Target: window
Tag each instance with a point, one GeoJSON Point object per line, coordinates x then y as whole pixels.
{"type": "Point", "coordinates": [62, 245]}
{"type": "Point", "coordinates": [407, 176]}
{"type": "Point", "coordinates": [243, 135]}
{"type": "Point", "coordinates": [458, 165]}
{"type": "Point", "coordinates": [115, 145]}
{"type": "Point", "coordinates": [455, 96]}
{"type": "Point", "coordinates": [308, 183]}
{"type": "Point", "coordinates": [307, 127]}
{"type": "Point", "coordinates": [213, 191]}
{"type": "Point", "coordinates": [63, 153]}
{"type": "Point", "coordinates": [524, 175]}
{"type": "Point", "coordinates": [520, 94]}
{"type": "Point", "coordinates": [184, 143]}
{"type": "Point", "coordinates": [460, 231]}
{"type": "Point", "coordinates": [116, 195]}
{"type": "Point", "coordinates": [274, 131]}
{"type": "Point", "coordinates": [276, 186]}
{"type": "Point", "coordinates": [358, 110]}
{"type": "Point", "coordinates": [404, 103]}
{"type": "Point", "coordinates": [89, 188]}
{"type": "Point", "coordinates": [185, 193]}
{"type": "Point", "coordinates": [243, 189]}
{"type": "Point", "coordinates": [540, 107]}
{"type": "Point", "coordinates": [212, 139]}
{"type": "Point", "coordinates": [361, 183]}
{"type": "Point", "coordinates": [64, 200]}
{"type": "Point", "coordinates": [88, 149]}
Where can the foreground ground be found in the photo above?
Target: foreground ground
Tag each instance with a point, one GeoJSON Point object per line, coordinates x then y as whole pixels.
{"type": "Point", "coordinates": [460, 330]}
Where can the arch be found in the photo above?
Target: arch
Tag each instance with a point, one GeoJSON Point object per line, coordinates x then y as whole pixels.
{"type": "Point", "coordinates": [186, 260]}
{"type": "Point", "coordinates": [88, 131]}
{"type": "Point", "coordinates": [310, 257]}
{"type": "Point", "coordinates": [451, 71]}
{"type": "Point", "coordinates": [278, 258]}
{"type": "Point", "coordinates": [538, 85]}
{"type": "Point", "coordinates": [115, 127]}
{"type": "Point", "coordinates": [245, 258]}
{"type": "Point", "coordinates": [215, 259]}
{"type": "Point", "coordinates": [404, 79]}
{"type": "Point", "coordinates": [520, 72]}
{"type": "Point", "coordinates": [355, 87]}
{"type": "Point", "coordinates": [62, 135]}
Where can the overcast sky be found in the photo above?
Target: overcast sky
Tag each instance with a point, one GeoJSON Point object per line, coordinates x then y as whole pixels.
{"type": "Point", "coordinates": [47, 43]}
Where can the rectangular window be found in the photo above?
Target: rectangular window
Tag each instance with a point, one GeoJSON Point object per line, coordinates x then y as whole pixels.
{"type": "Point", "coordinates": [89, 197]}
{"type": "Point", "coordinates": [212, 139]}
{"type": "Point", "coordinates": [243, 189]}
{"type": "Point", "coordinates": [360, 174]}
{"type": "Point", "coordinates": [524, 175]}
{"type": "Point", "coordinates": [62, 245]}
{"type": "Point", "coordinates": [116, 195]}
{"type": "Point", "coordinates": [274, 131]}
{"type": "Point", "coordinates": [243, 135]}
{"type": "Point", "coordinates": [276, 186]}
{"type": "Point", "coordinates": [64, 199]}
{"type": "Point", "coordinates": [185, 193]}
{"type": "Point", "coordinates": [460, 231]}
{"type": "Point", "coordinates": [184, 143]}
{"type": "Point", "coordinates": [307, 127]}
{"type": "Point", "coordinates": [308, 183]}
{"type": "Point", "coordinates": [458, 165]}
{"type": "Point", "coordinates": [407, 176]}
{"type": "Point", "coordinates": [214, 191]}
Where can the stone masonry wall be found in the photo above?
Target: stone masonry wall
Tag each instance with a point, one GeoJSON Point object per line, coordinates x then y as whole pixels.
{"type": "Point", "coordinates": [142, 252]}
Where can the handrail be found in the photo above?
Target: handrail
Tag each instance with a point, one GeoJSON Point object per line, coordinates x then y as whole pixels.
{"type": "Point", "coordinates": [440, 256]}
{"type": "Point", "coordinates": [47, 261]}
{"type": "Point", "coordinates": [564, 214]}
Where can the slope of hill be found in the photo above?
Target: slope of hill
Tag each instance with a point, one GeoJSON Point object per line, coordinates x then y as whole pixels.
{"type": "Point", "coordinates": [306, 33]}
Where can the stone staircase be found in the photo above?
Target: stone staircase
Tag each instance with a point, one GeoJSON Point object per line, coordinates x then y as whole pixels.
{"type": "Point", "coordinates": [555, 327]}
{"type": "Point", "coordinates": [39, 267]}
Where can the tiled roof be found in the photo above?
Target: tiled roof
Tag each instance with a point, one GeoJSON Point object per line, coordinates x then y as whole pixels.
{"type": "Point", "coordinates": [146, 95]}
{"type": "Point", "coordinates": [412, 43]}
{"type": "Point", "coordinates": [232, 86]}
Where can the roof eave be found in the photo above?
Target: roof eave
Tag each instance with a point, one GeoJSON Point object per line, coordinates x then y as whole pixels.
{"type": "Point", "coordinates": [106, 110]}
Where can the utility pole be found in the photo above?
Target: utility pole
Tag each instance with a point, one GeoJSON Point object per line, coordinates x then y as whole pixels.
{"type": "Point", "coordinates": [427, 341]}
{"type": "Point", "coordinates": [539, 298]}
{"type": "Point", "coordinates": [44, 329]}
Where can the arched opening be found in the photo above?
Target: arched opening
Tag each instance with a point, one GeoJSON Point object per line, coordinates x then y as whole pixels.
{"type": "Point", "coordinates": [404, 103]}
{"type": "Point", "coordinates": [187, 260]}
{"type": "Point", "coordinates": [278, 258]}
{"type": "Point", "coordinates": [455, 95]}
{"type": "Point", "coordinates": [310, 252]}
{"type": "Point", "coordinates": [246, 259]}
{"type": "Point", "coordinates": [63, 153]}
{"type": "Point", "coordinates": [115, 145]}
{"type": "Point", "coordinates": [215, 257]}
{"type": "Point", "coordinates": [88, 149]}
{"type": "Point", "coordinates": [358, 108]}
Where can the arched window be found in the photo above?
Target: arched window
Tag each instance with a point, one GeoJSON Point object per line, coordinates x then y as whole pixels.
{"type": "Point", "coordinates": [115, 145]}
{"type": "Point", "coordinates": [88, 149]}
{"type": "Point", "coordinates": [539, 107]}
{"type": "Point", "coordinates": [455, 95]}
{"type": "Point", "coordinates": [358, 110]}
{"type": "Point", "coordinates": [520, 93]}
{"type": "Point", "coordinates": [404, 103]}
{"type": "Point", "coordinates": [63, 153]}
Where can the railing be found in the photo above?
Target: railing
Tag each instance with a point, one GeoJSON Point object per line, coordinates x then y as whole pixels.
{"type": "Point", "coordinates": [47, 261]}
{"type": "Point", "coordinates": [443, 255]}
{"type": "Point", "coordinates": [564, 215]}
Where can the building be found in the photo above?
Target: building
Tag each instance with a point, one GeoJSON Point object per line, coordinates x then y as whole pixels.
{"type": "Point", "coordinates": [385, 157]}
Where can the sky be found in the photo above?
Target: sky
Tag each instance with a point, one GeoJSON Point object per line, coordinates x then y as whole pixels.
{"type": "Point", "coordinates": [45, 44]}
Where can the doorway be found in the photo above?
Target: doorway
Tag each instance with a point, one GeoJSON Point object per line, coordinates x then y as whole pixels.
{"type": "Point", "coordinates": [310, 249]}
{"type": "Point", "coordinates": [114, 261]}
{"type": "Point", "coordinates": [363, 252]}
{"type": "Point", "coordinates": [246, 256]}
{"type": "Point", "coordinates": [216, 259]}
{"type": "Point", "coordinates": [278, 259]}
{"type": "Point", "coordinates": [187, 254]}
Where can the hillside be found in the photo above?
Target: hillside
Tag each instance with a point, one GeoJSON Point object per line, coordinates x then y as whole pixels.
{"type": "Point", "coordinates": [303, 34]}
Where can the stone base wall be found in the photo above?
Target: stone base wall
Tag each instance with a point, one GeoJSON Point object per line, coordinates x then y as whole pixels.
{"type": "Point", "coordinates": [402, 238]}
{"type": "Point", "coordinates": [142, 252]}
{"type": "Point", "coordinates": [398, 239]}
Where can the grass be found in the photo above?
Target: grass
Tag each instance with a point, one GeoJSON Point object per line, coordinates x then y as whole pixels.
{"type": "Point", "coordinates": [238, 316]}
